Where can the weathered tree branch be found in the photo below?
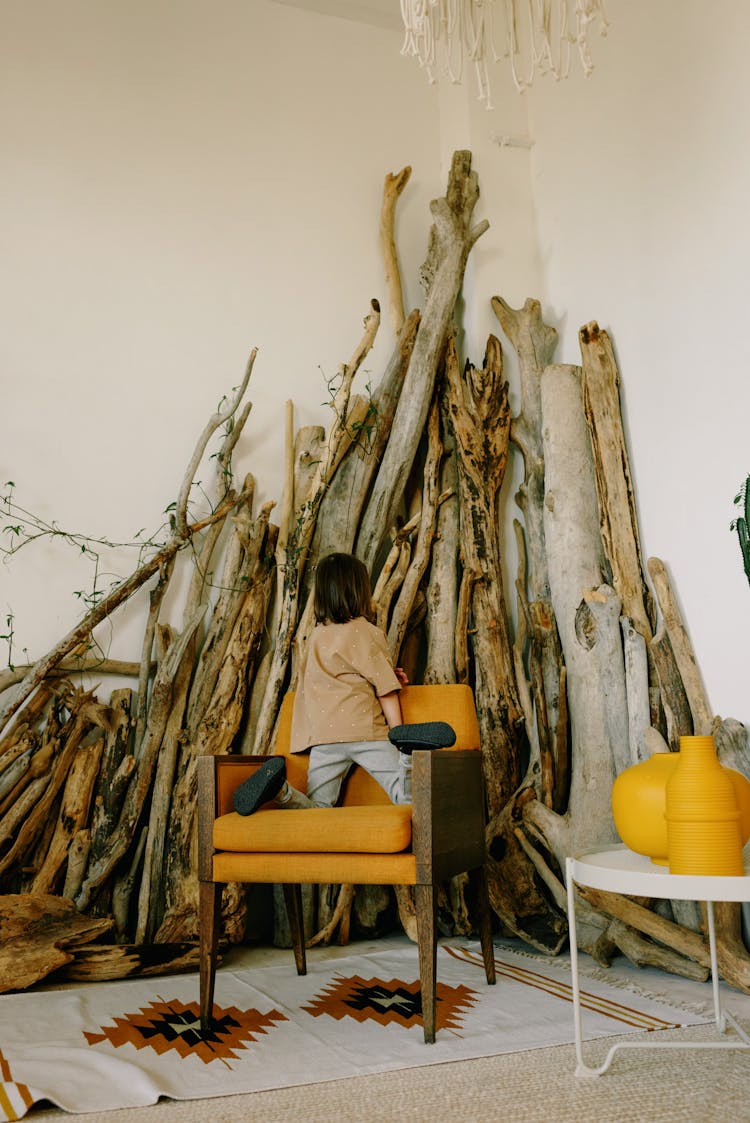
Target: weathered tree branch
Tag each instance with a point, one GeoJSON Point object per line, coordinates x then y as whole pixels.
{"type": "Point", "coordinates": [681, 648]}
{"type": "Point", "coordinates": [106, 607]}
{"type": "Point", "coordinates": [392, 188]}
{"type": "Point", "coordinates": [301, 537]}
{"type": "Point", "coordinates": [480, 416]}
{"type": "Point", "coordinates": [619, 523]}
{"type": "Point", "coordinates": [451, 239]}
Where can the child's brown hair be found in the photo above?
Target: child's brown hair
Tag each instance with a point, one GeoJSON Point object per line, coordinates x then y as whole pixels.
{"type": "Point", "coordinates": [342, 590]}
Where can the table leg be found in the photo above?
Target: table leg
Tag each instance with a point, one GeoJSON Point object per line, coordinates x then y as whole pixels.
{"type": "Point", "coordinates": [573, 940]}
{"type": "Point", "coordinates": [723, 1017]}
{"type": "Point", "coordinates": [720, 1021]}
{"type": "Point", "coordinates": [581, 1068]}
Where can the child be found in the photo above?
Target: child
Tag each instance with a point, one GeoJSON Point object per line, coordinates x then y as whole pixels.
{"type": "Point", "coordinates": [346, 704]}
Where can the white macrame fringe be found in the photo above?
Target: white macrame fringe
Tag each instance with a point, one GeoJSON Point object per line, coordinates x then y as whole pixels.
{"type": "Point", "coordinates": [538, 37]}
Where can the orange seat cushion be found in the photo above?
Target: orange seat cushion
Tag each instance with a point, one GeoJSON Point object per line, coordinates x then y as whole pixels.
{"type": "Point", "coordinates": [329, 830]}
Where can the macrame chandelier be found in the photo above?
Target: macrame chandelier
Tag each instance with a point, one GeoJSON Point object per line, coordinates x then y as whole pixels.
{"type": "Point", "coordinates": [538, 36]}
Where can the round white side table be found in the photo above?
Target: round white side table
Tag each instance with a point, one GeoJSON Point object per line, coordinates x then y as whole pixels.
{"type": "Point", "coordinates": [619, 870]}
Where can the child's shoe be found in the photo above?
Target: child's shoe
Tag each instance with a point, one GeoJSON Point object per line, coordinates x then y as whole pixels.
{"type": "Point", "coordinates": [422, 735]}
{"type": "Point", "coordinates": [265, 783]}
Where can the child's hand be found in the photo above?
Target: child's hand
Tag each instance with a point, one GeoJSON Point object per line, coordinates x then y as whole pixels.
{"type": "Point", "coordinates": [401, 675]}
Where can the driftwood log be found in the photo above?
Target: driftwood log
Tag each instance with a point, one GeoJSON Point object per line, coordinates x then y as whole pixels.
{"type": "Point", "coordinates": [97, 799]}
{"type": "Point", "coordinates": [39, 935]}
{"type": "Point", "coordinates": [452, 237]}
{"type": "Point", "coordinates": [392, 188]}
{"type": "Point", "coordinates": [480, 417]}
{"type": "Point", "coordinates": [537, 657]}
{"type": "Point", "coordinates": [587, 613]}
{"type": "Point", "coordinates": [619, 526]}
{"type": "Point", "coordinates": [292, 563]}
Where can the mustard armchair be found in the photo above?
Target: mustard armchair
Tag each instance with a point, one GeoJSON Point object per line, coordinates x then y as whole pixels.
{"type": "Point", "coordinates": [364, 840]}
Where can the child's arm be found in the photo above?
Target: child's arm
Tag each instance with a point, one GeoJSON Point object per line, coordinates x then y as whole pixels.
{"type": "Point", "coordinates": [391, 708]}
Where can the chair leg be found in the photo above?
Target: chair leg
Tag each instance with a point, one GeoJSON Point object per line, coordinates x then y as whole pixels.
{"type": "Point", "coordinates": [478, 882]}
{"type": "Point", "coordinates": [293, 902]}
{"type": "Point", "coordinates": [424, 896]}
{"type": "Point", "coordinates": [209, 916]}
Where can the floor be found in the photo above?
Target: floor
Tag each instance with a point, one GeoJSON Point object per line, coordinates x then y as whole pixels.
{"type": "Point", "coordinates": [700, 1087]}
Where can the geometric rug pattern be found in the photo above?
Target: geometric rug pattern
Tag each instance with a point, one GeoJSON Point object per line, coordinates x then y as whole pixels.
{"type": "Point", "coordinates": [112, 1045]}
{"type": "Point", "coordinates": [391, 1001]}
{"type": "Point", "coordinates": [173, 1025]}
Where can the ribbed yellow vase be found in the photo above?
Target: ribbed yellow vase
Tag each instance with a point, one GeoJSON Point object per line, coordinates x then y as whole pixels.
{"type": "Point", "coordinates": [702, 813]}
{"type": "Point", "coordinates": [639, 799]}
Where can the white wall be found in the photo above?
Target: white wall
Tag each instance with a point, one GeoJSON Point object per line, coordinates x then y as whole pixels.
{"type": "Point", "coordinates": [641, 179]}
{"type": "Point", "coordinates": [184, 181]}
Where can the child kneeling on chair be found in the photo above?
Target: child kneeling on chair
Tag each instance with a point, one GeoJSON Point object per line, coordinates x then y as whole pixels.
{"type": "Point", "coordinates": [346, 708]}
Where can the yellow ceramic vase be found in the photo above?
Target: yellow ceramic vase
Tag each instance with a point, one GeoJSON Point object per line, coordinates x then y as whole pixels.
{"type": "Point", "coordinates": [639, 805]}
{"type": "Point", "coordinates": [702, 813]}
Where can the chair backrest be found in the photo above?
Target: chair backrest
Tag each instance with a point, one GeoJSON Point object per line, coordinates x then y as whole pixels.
{"type": "Point", "coordinates": [451, 702]}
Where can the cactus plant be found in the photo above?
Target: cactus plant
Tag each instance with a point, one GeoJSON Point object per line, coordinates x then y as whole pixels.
{"type": "Point", "coordinates": [742, 524]}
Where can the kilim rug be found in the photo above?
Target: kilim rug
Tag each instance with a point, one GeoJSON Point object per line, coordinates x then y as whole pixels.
{"type": "Point", "coordinates": [113, 1045]}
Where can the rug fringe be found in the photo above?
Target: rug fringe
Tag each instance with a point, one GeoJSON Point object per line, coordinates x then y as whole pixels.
{"type": "Point", "coordinates": [605, 975]}
{"type": "Point", "coordinates": [602, 975]}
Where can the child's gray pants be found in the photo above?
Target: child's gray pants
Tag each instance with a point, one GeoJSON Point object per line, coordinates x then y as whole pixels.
{"type": "Point", "coordinates": [329, 765]}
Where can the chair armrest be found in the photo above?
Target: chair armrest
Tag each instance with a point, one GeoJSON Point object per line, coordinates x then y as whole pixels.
{"type": "Point", "coordinates": [218, 779]}
{"type": "Point", "coordinates": [448, 817]}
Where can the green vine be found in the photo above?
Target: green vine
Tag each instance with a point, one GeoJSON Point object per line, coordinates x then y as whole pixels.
{"type": "Point", "coordinates": [363, 432]}
{"type": "Point", "coordinates": [8, 637]}
{"type": "Point", "coordinates": [20, 527]}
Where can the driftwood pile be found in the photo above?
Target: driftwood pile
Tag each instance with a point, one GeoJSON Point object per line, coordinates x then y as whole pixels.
{"type": "Point", "coordinates": [97, 801]}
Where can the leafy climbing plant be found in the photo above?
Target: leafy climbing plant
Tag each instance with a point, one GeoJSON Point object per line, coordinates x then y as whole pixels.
{"type": "Point", "coordinates": [362, 430]}
{"type": "Point", "coordinates": [741, 525]}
